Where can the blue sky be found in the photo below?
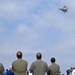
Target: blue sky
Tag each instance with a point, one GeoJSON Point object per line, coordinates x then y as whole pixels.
{"type": "Point", "coordinates": [37, 25]}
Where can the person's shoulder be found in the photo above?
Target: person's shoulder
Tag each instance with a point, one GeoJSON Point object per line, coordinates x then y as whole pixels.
{"type": "Point", "coordinates": [14, 61]}
{"type": "Point", "coordinates": [24, 60]}
{"type": "Point", "coordinates": [44, 61]}
{"type": "Point", "coordinates": [10, 72]}
{"type": "Point", "coordinates": [34, 62]}
{"type": "Point", "coordinates": [1, 64]}
{"type": "Point", "coordinates": [57, 65]}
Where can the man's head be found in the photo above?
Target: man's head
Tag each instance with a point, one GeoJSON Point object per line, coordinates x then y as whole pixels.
{"type": "Point", "coordinates": [6, 69]}
{"type": "Point", "coordinates": [19, 54]}
{"type": "Point", "coordinates": [10, 67]}
{"type": "Point", "coordinates": [52, 60]}
{"type": "Point", "coordinates": [38, 55]}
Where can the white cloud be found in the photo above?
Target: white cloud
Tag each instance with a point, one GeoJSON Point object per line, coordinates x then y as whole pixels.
{"type": "Point", "coordinates": [13, 10]}
{"type": "Point", "coordinates": [29, 36]}
{"type": "Point", "coordinates": [47, 30]}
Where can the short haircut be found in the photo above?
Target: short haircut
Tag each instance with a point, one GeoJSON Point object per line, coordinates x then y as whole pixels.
{"type": "Point", "coordinates": [19, 54]}
{"type": "Point", "coordinates": [53, 59]}
{"type": "Point", "coordinates": [38, 55]}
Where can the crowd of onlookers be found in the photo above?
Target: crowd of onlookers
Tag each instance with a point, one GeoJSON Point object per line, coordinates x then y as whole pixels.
{"type": "Point", "coordinates": [70, 71]}
{"type": "Point", "coordinates": [38, 67]}
{"type": "Point", "coordinates": [9, 71]}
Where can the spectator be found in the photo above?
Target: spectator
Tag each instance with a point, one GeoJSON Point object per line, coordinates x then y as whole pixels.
{"type": "Point", "coordinates": [54, 69]}
{"type": "Point", "coordinates": [39, 67]}
{"type": "Point", "coordinates": [10, 72]}
{"type": "Point", "coordinates": [19, 66]}
{"type": "Point", "coordinates": [69, 71]}
{"type": "Point", "coordinates": [1, 69]}
{"type": "Point", "coordinates": [6, 72]}
{"type": "Point", "coordinates": [73, 72]}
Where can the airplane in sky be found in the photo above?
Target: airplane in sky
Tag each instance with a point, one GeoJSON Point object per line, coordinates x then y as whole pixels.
{"type": "Point", "coordinates": [64, 9]}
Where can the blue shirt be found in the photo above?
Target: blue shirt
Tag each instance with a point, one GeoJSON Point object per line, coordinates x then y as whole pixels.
{"type": "Point", "coordinates": [10, 72]}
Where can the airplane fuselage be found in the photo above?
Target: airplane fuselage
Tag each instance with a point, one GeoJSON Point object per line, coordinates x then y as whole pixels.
{"type": "Point", "coordinates": [63, 9]}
